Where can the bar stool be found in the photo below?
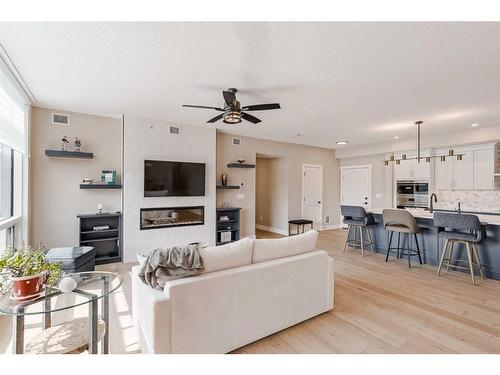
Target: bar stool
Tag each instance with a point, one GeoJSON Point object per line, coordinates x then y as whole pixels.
{"type": "Point", "coordinates": [460, 228]}
{"type": "Point", "coordinates": [356, 217]}
{"type": "Point", "coordinates": [401, 221]}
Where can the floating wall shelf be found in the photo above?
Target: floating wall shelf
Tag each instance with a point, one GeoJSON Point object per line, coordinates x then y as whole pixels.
{"type": "Point", "coordinates": [228, 187]}
{"type": "Point", "coordinates": [69, 154]}
{"type": "Point", "coordinates": [100, 186]}
{"type": "Point", "coordinates": [240, 165]}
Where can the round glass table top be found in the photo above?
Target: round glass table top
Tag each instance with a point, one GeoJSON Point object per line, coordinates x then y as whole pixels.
{"type": "Point", "coordinates": [90, 286]}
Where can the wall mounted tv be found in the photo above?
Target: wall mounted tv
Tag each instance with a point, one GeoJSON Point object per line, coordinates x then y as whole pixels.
{"type": "Point", "coordinates": [173, 179]}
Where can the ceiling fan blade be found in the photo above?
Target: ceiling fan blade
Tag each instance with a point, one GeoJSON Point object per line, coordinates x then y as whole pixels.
{"type": "Point", "coordinates": [229, 98]}
{"type": "Point", "coordinates": [250, 118]}
{"type": "Point", "coordinates": [261, 107]}
{"type": "Point", "coordinates": [216, 118]}
{"type": "Point", "coordinates": [202, 106]}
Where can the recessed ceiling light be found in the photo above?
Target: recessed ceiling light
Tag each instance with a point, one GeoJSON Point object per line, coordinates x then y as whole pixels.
{"type": "Point", "coordinates": [342, 142]}
{"type": "Point", "coordinates": [396, 137]}
{"type": "Point", "coordinates": [474, 125]}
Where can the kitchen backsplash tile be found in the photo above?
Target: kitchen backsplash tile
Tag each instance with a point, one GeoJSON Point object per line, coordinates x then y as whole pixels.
{"type": "Point", "coordinates": [470, 200]}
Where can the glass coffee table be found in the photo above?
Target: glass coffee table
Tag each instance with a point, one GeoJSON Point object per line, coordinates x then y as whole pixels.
{"type": "Point", "coordinates": [91, 287]}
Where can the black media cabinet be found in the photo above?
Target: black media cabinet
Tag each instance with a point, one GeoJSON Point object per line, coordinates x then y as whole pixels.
{"type": "Point", "coordinates": [232, 225]}
{"type": "Point", "coordinates": [107, 243]}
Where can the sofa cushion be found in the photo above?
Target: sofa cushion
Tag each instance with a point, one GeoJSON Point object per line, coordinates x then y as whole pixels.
{"type": "Point", "coordinates": [268, 249]}
{"type": "Point", "coordinates": [235, 254]}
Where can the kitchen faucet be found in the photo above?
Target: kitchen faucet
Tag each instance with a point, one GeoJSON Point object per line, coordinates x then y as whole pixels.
{"type": "Point", "coordinates": [431, 207]}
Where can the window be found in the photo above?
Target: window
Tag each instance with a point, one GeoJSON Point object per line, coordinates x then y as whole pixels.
{"type": "Point", "coordinates": [14, 116]}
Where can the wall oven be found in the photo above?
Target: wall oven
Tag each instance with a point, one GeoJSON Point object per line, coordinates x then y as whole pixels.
{"type": "Point", "coordinates": [412, 194]}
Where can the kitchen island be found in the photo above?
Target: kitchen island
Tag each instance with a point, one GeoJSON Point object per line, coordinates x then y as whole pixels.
{"type": "Point", "coordinates": [431, 246]}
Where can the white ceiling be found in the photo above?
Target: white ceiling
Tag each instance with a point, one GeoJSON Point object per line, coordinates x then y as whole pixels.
{"type": "Point", "coordinates": [364, 82]}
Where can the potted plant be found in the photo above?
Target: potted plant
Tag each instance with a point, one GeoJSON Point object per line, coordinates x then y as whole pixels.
{"type": "Point", "coordinates": [28, 272]}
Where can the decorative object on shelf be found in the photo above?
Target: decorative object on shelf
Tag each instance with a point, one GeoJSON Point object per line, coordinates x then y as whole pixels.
{"type": "Point", "coordinates": [78, 144]}
{"type": "Point", "coordinates": [99, 208]}
{"type": "Point", "coordinates": [224, 218]}
{"type": "Point", "coordinates": [67, 284]}
{"type": "Point", "coordinates": [108, 177]}
{"type": "Point", "coordinates": [87, 181]}
{"type": "Point", "coordinates": [451, 152]}
{"type": "Point", "coordinates": [174, 215]}
{"type": "Point", "coordinates": [225, 236]}
{"type": "Point", "coordinates": [241, 161]}
{"type": "Point", "coordinates": [100, 228]}
{"type": "Point", "coordinates": [223, 179]}
{"type": "Point", "coordinates": [64, 144]}
{"type": "Point", "coordinates": [29, 271]}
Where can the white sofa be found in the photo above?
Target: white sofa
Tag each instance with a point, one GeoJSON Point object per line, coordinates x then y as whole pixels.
{"type": "Point", "coordinates": [250, 289]}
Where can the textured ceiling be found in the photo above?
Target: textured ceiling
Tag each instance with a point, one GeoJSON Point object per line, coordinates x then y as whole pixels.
{"type": "Point", "coordinates": [364, 82]}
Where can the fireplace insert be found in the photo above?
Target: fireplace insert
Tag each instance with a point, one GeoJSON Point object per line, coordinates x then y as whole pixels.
{"type": "Point", "coordinates": [169, 217]}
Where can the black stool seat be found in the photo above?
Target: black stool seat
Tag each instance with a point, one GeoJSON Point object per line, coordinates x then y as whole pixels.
{"type": "Point", "coordinates": [300, 222]}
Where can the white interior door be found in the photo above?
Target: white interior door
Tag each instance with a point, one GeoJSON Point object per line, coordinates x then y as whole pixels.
{"type": "Point", "coordinates": [312, 194]}
{"type": "Point", "coordinates": [355, 186]}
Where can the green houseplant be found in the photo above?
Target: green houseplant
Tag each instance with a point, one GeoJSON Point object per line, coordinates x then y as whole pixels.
{"type": "Point", "coordinates": [28, 271]}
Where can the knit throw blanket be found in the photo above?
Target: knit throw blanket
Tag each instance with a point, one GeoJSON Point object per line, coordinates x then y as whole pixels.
{"type": "Point", "coordinates": [162, 265]}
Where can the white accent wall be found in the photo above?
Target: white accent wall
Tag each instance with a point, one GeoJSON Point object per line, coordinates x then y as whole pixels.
{"type": "Point", "coordinates": [151, 140]}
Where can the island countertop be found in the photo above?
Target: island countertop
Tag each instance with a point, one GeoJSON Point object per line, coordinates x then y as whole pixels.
{"type": "Point", "coordinates": [423, 214]}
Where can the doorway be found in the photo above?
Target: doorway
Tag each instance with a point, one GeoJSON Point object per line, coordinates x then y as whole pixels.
{"type": "Point", "coordinates": [312, 194]}
{"type": "Point", "coordinates": [355, 183]}
{"type": "Point", "coordinates": [271, 194]}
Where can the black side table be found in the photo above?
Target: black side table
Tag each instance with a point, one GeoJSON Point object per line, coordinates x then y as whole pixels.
{"type": "Point", "coordinates": [299, 223]}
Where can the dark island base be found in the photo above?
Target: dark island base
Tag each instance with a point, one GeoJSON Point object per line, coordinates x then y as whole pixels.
{"type": "Point", "coordinates": [431, 247]}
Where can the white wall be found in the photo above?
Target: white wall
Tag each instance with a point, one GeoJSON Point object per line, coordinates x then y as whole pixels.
{"type": "Point", "coordinates": [55, 194]}
{"type": "Point", "coordinates": [143, 140]}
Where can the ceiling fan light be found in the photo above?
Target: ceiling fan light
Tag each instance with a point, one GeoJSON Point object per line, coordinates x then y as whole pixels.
{"type": "Point", "coordinates": [232, 117]}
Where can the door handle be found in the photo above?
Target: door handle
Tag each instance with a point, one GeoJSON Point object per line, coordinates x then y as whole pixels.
{"type": "Point", "coordinates": [319, 202]}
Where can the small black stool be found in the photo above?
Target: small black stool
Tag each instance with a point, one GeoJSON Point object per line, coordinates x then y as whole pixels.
{"type": "Point", "coordinates": [73, 259]}
{"type": "Point", "coordinates": [299, 223]}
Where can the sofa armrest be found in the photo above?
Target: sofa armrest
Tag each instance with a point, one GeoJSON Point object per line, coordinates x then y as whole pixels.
{"type": "Point", "coordinates": [151, 315]}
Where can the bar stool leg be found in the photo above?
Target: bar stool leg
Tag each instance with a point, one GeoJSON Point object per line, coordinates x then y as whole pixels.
{"type": "Point", "coordinates": [389, 247]}
{"type": "Point", "coordinates": [418, 248]}
{"type": "Point", "coordinates": [408, 252]}
{"type": "Point", "coordinates": [399, 238]}
{"type": "Point", "coordinates": [476, 252]}
{"type": "Point", "coordinates": [362, 244]}
{"type": "Point", "coordinates": [355, 236]}
{"type": "Point", "coordinates": [349, 226]}
{"type": "Point", "coordinates": [445, 248]}
{"type": "Point", "coordinates": [451, 257]}
{"type": "Point", "coordinates": [471, 268]}
{"type": "Point", "coordinates": [370, 238]}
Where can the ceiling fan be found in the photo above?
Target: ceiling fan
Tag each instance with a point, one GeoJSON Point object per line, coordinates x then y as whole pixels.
{"type": "Point", "coordinates": [233, 112]}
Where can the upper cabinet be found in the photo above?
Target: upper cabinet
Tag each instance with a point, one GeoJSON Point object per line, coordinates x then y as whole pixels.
{"type": "Point", "coordinates": [475, 170]}
{"type": "Point", "coordinates": [484, 169]}
{"type": "Point", "coordinates": [412, 169]}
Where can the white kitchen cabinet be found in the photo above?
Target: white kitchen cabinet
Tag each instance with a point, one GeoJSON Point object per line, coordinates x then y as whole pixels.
{"type": "Point", "coordinates": [443, 173]}
{"type": "Point", "coordinates": [412, 169]}
{"type": "Point", "coordinates": [474, 171]}
{"type": "Point", "coordinates": [463, 171]}
{"type": "Point", "coordinates": [484, 168]}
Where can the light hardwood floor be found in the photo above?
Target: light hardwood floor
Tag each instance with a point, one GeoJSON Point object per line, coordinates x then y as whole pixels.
{"type": "Point", "coordinates": [379, 308]}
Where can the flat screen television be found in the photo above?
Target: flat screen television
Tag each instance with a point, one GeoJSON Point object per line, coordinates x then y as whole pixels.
{"type": "Point", "coordinates": [173, 179]}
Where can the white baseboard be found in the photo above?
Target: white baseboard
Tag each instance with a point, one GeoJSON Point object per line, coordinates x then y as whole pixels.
{"type": "Point", "coordinates": [334, 226]}
{"type": "Point", "coordinates": [271, 229]}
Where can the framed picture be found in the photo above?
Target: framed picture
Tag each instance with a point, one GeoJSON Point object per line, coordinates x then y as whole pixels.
{"type": "Point", "coordinates": [108, 177]}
